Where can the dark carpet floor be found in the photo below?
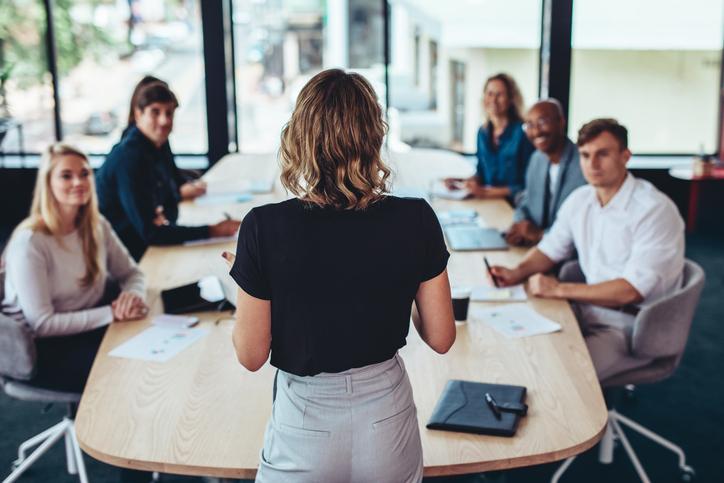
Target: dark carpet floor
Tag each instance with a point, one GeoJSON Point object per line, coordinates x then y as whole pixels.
{"type": "Point", "coordinates": [687, 408]}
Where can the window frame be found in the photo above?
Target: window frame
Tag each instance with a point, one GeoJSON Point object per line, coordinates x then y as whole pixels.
{"type": "Point", "coordinates": [554, 78]}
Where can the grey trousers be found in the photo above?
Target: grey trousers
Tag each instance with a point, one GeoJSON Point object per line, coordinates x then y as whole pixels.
{"type": "Point", "coordinates": [608, 336]}
{"type": "Point", "coordinates": [355, 426]}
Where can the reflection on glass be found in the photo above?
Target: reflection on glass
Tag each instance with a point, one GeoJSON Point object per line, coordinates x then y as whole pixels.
{"type": "Point", "coordinates": [652, 64]}
{"type": "Point", "coordinates": [26, 96]}
{"type": "Point", "coordinates": [105, 47]}
{"type": "Point", "coordinates": [280, 44]}
{"type": "Point", "coordinates": [441, 54]}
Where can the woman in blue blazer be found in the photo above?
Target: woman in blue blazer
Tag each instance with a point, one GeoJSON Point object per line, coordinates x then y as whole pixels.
{"type": "Point", "coordinates": [503, 149]}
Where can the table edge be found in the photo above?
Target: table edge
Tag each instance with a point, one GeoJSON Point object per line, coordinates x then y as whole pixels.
{"type": "Point", "coordinates": [442, 470]}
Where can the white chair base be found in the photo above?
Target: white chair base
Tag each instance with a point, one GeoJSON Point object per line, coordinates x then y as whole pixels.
{"type": "Point", "coordinates": [43, 441]}
{"type": "Point", "coordinates": [614, 432]}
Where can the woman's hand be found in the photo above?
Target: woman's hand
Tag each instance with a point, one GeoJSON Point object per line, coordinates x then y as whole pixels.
{"type": "Point", "coordinates": [229, 257]}
{"type": "Point", "coordinates": [192, 189]}
{"type": "Point", "coordinates": [129, 306]}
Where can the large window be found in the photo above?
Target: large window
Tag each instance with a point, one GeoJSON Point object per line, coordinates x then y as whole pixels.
{"type": "Point", "coordinates": [441, 54]}
{"type": "Point", "coordinates": [280, 44]}
{"type": "Point", "coordinates": [26, 94]}
{"type": "Point", "coordinates": [105, 47]}
{"type": "Point", "coordinates": [654, 65]}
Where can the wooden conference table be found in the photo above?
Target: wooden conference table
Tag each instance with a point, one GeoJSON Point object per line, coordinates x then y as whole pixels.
{"type": "Point", "coordinates": [201, 413]}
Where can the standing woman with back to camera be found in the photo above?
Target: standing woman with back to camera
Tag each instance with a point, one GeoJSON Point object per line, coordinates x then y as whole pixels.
{"type": "Point", "coordinates": [327, 285]}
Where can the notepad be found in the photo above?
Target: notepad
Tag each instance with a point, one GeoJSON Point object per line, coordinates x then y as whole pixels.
{"type": "Point", "coordinates": [485, 293]}
{"type": "Point", "coordinates": [462, 408]}
{"type": "Point", "coordinates": [516, 320]}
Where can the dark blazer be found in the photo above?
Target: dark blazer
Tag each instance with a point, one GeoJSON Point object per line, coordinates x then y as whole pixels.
{"type": "Point", "coordinates": [134, 180]}
{"type": "Point", "coordinates": [532, 202]}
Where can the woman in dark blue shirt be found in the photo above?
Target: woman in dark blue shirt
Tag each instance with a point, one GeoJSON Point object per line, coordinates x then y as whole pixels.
{"type": "Point", "coordinates": [138, 184]}
{"type": "Point", "coordinates": [503, 148]}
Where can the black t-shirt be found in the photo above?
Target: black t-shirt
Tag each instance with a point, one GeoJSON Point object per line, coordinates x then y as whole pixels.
{"type": "Point", "coordinates": [341, 283]}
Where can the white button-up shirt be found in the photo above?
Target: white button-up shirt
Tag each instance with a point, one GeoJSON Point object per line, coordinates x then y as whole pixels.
{"type": "Point", "coordinates": [637, 236]}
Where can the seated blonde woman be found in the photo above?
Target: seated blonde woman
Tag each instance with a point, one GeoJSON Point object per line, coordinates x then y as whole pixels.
{"type": "Point", "coordinates": [58, 264]}
{"type": "Point", "coordinates": [327, 284]}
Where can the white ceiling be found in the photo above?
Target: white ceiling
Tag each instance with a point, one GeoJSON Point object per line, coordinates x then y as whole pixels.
{"type": "Point", "coordinates": [598, 24]}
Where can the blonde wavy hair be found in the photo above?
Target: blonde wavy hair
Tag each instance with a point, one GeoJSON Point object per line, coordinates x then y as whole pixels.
{"type": "Point", "coordinates": [330, 152]}
{"type": "Point", "coordinates": [515, 110]}
{"type": "Point", "coordinates": [45, 214]}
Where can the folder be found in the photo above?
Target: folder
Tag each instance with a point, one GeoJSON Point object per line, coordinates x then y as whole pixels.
{"type": "Point", "coordinates": [462, 407]}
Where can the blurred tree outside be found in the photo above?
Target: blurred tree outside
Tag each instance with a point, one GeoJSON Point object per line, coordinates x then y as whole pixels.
{"type": "Point", "coordinates": [23, 53]}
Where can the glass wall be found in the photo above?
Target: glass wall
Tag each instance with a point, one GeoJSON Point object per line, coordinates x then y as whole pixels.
{"type": "Point", "coordinates": [280, 44]}
{"type": "Point", "coordinates": [441, 54]}
{"type": "Point", "coordinates": [655, 65]}
{"type": "Point", "coordinates": [105, 47]}
{"type": "Point", "coordinates": [26, 94]}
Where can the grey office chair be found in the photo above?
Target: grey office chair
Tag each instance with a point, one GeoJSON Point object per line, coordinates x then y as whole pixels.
{"type": "Point", "coordinates": [660, 332]}
{"type": "Point", "coordinates": [17, 367]}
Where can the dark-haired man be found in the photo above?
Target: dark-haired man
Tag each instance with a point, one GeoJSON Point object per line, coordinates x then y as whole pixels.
{"type": "Point", "coordinates": [630, 242]}
{"type": "Point", "coordinates": [553, 173]}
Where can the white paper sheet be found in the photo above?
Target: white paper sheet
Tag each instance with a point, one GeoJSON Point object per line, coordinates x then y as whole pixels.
{"type": "Point", "coordinates": [158, 344]}
{"type": "Point", "coordinates": [516, 320]}
{"type": "Point", "coordinates": [457, 217]}
{"type": "Point", "coordinates": [222, 198]}
{"type": "Point", "coordinates": [235, 186]}
{"type": "Point", "coordinates": [485, 293]}
{"type": "Point", "coordinates": [211, 241]}
{"type": "Point", "coordinates": [171, 321]}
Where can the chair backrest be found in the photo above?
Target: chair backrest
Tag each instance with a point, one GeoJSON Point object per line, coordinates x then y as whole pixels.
{"type": "Point", "coordinates": [662, 328]}
{"type": "Point", "coordinates": [17, 345]}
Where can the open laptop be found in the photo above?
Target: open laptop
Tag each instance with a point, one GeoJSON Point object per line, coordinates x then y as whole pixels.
{"type": "Point", "coordinates": [468, 237]}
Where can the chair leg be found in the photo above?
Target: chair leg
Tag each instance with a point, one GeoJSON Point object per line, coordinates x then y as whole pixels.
{"type": "Point", "coordinates": [629, 449]}
{"type": "Point", "coordinates": [70, 455]}
{"type": "Point", "coordinates": [562, 469]}
{"type": "Point", "coordinates": [25, 446]}
{"type": "Point", "coordinates": [605, 446]}
{"type": "Point", "coordinates": [79, 463]}
{"type": "Point", "coordinates": [24, 463]}
{"type": "Point", "coordinates": [656, 439]}
{"type": "Point", "coordinates": [74, 457]}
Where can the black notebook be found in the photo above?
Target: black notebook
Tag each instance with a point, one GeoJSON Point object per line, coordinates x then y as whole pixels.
{"type": "Point", "coordinates": [204, 295]}
{"type": "Point", "coordinates": [462, 407]}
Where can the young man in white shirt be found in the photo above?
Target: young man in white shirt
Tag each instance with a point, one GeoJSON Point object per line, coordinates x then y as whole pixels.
{"type": "Point", "coordinates": [630, 242]}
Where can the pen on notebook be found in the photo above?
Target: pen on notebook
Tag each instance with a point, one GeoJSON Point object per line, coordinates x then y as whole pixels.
{"type": "Point", "coordinates": [492, 404]}
{"type": "Point", "coordinates": [227, 216]}
{"type": "Point", "coordinates": [490, 272]}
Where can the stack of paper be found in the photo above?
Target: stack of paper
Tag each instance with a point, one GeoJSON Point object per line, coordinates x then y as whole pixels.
{"type": "Point", "coordinates": [516, 320]}
{"type": "Point", "coordinates": [484, 293]}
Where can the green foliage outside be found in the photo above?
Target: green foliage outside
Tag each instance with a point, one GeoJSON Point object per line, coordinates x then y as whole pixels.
{"type": "Point", "coordinates": [23, 52]}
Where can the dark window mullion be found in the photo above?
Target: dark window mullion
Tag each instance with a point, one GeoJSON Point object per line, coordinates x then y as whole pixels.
{"type": "Point", "coordinates": [555, 51]}
{"type": "Point", "coordinates": [53, 66]}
